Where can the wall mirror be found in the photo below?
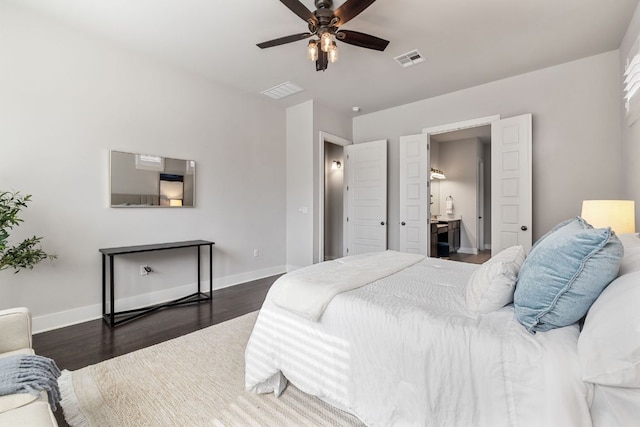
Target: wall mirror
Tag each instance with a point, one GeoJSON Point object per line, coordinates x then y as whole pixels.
{"type": "Point", "coordinates": [146, 180]}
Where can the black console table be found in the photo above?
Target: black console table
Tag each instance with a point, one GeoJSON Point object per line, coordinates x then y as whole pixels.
{"type": "Point", "coordinates": [124, 316]}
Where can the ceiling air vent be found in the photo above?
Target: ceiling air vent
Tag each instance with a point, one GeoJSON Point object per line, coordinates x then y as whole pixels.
{"type": "Point", "coordinates": [282, 90]}
{"type": "Point", "coordinates": [410, 58]}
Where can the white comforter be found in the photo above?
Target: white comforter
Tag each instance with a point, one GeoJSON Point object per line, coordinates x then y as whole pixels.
{"type": "Point", "coordinates": [308, 291]}
{"type": "Point", "coordinates": [405, 351]}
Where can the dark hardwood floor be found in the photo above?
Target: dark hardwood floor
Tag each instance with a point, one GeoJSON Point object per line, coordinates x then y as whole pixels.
{"type": "Point", "coordinates": [77, 346]}
{"type": "Point", "coordinates": [88, 343]}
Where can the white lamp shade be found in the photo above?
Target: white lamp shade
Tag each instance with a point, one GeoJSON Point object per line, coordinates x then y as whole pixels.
{"type": "Point", "coordinates": [620, 215]}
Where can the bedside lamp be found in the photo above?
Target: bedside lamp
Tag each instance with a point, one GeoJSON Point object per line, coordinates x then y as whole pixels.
{"type": "Point", "coordinates": [618, 214]}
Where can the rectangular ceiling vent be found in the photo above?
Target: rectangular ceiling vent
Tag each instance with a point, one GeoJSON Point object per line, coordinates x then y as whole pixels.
{"type": "Point", "coordinates": [410, 58]}
{"type": "Point", "coordinates": [282, 90]}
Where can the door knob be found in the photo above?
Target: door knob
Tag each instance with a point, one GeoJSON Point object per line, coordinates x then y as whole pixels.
{"type": "Point", "coordinates": [382, 223]}
{"type": "Point", "coordinates": [403, 223]}
{"type": "Point", "coordinates": [523, 228]}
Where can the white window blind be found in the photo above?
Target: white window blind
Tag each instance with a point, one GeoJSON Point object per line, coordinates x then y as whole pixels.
{"type": "Point", "coordinates": [149, 163]}
{"type": "Point", "coordinates": [632, 84]}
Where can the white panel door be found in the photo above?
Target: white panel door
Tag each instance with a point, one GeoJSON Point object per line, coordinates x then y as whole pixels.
{"type": "Point", "coordinates": [511, 204]}
{"type": "Point", "coordinates": [414, 194]}
{"type": "Point", "coordinates": [366, 194]}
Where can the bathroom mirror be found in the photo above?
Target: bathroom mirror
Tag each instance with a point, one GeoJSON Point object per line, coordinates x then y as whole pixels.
{"type": "Point", "coordinates": [146, 180]}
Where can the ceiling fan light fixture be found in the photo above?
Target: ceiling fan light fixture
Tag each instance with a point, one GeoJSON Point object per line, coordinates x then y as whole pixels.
{"type": "Point", "coordinates": [312, 50]}
{"type": "Point", "coordinates": [333, 53]}
{"type": "Point", "coordinates": [323, 24]}
{"type": "Point", "coordinates": [326, 42]}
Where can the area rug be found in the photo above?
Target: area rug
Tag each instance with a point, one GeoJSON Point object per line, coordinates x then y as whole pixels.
{"type": "Point", "coordinates": [193, 380]}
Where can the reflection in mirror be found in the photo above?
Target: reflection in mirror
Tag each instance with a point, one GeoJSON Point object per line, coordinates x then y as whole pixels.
{"type": "Point", "coordinates": [142, 180]}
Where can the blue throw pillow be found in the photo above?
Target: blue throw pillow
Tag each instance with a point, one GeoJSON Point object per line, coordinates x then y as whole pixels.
{"type": "Point", "coordinates": [564, 274]}
{"type": "Point", "coordinates": [575, 223]}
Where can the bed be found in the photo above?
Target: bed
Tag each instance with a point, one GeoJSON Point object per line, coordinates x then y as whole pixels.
{"type": "Point", "coordinates": [410, 348]}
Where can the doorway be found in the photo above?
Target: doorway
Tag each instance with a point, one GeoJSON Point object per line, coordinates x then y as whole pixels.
{"type": "Point", "coordinates": [331, 196]}
{"type": "Point", "coordinates": [333, 200]}
{"type": "Point", "coordinates": [511, 189]}
{"type": "Point", "coordinates": [464, 157]}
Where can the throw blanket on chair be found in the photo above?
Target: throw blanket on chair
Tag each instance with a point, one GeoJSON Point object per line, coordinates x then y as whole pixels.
{"type": "Point", "coordinates": [26, 373]}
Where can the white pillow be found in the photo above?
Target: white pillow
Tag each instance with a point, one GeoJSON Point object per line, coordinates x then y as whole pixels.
{"type": "Point", "coordinates": [609, 344]}
{"type": "Point", "coordinates": [631, 259]}
{"type": "Point", "coordinates": [491, 286]}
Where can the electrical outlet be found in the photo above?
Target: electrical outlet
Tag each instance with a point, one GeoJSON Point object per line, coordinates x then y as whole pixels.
{"type": "Point", "coordinates": [145, 269]}
{"type": "Point", "coordinates": [256, 252]}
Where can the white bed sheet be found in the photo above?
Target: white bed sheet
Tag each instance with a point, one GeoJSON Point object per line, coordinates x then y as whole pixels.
{"type": "Point", "coordinates": [404, 350]}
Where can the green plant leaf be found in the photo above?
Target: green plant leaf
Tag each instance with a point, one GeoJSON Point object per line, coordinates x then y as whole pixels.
{"type": "Point", "coordinates": [27, 253]}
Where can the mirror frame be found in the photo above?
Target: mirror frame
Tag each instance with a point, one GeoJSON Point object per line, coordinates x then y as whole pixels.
{"type": "Point", "coordinates": [148, 170]}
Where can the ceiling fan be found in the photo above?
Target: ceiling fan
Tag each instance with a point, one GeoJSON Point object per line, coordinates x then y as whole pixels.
{"type": "Point", "coordinates": [325, 24]}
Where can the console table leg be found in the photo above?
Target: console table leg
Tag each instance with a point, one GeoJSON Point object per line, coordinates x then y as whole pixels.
{"type": "Point", "coordinates": [112, 317]}
{"type": "Point", "coordinates": [104, 285]}
{"type": "Point", "coordinates": [211, 272]}
{"type": "Point", "coordinates": [198, 270]}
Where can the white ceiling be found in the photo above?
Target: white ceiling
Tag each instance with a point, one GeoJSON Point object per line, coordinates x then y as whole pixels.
{"type": "Point", "coordinates": [465, 42]}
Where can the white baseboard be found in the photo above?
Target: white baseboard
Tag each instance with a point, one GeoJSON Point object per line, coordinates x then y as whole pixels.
{"type": "Point", "coordinates": [291, 268]}
{"type": "Point", "coordinates": [236, 279]}
{"type": "Point", "coordinates": [61, 319]}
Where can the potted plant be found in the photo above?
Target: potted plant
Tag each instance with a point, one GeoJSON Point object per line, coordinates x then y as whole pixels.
{"type": "Point", "coordinates": [27, 253]}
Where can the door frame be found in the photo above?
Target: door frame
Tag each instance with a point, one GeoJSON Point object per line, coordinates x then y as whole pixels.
{"type": "Point", "coordinates": [333, 139]}
{"type": "Point", "coordinates": [480, 194]}
{"type": "Point", "coordinates": [465, 124]}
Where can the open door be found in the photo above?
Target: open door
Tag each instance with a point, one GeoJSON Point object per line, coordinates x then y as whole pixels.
{"type": "Point", "coordinates": [511, 205]}
{"type": "Point", "coordinates": [366, 197]}
{"type": "Point", "coordinates": [414, 194]}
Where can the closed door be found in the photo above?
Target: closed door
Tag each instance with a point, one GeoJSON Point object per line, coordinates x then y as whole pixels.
{"type": "Point", "coordinates": [366, 190]}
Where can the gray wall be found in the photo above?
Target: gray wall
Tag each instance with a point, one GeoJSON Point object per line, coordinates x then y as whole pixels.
{"type": "Point", "coordinates": [66, 100]}
{"type": "Point", "coordinates": [459, 161]}
{"type": "Point", "coordinates": [300, 179]}
{"type": "Point", "coordinates": [576, 132]}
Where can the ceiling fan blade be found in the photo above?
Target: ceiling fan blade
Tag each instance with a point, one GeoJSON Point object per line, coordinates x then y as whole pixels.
{"type": "Point", "coordinates": [284, 40]}
{"type": "Point", "coordinates": [299, 9]}
{"type": "Point", "coordinates": [362, 40]}
{"type": "Point", "coordinates": [350, 9]}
